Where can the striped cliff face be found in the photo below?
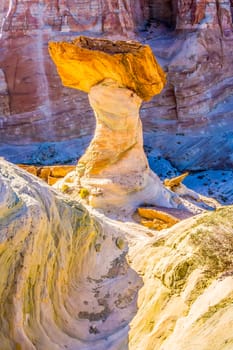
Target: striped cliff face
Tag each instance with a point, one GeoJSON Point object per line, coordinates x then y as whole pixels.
{"type": "Point", "coordinates": [192, 41]}
{"type": "Point", "coordinates": [65, 279]}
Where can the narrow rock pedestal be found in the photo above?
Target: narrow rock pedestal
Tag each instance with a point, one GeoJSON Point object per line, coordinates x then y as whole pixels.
{"type": "Point", "coordinates": [114, 171]}
{"type": "Point", "coordinates": [114, 168]}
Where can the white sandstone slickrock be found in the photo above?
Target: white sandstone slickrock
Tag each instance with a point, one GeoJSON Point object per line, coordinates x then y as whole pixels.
{"type": "Point", "coordinates": [70, 276]}
{"type": "Point", "coordinates": [57, 290]}
{"type": "Point", "coordinates": [114, 168]}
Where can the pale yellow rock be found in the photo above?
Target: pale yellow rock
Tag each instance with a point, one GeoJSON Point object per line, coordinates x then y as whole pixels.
{"type": "Point", "coordinates": [71, 278]}
{"type": "Point", "coordinates": [118, 131]}
{"type": "Point", "coordinates": [65, 283]}
{"type": "Point", "coordinates": [186, 301]}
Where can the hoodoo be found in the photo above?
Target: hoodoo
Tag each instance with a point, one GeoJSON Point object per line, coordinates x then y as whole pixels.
{"type": "Point", "coordinates": [117, 76]}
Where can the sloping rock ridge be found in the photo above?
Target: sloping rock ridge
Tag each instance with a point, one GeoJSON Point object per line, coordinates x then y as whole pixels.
{"type": "Point", "coordinates": [65, 280]}
{"type": "Point", "coordinates": [71, 278]}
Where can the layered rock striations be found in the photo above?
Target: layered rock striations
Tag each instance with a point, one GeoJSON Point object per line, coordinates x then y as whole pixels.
{"type": "Point", "coordinates": [197, 57]}
{"type": "Point", "coordinates": [70, 16]}
{"type": "Point", "coordinates": [65, 280]}
{"type": "Point", "coordinates": [4, 97]}
{"type": "Point", "coordinates": [71, 278]}
{"type": "Point", "coordinates": [40, 108]}
{"type": "Point", "coordinates": [192, 40]}
{"type": "Point", "coordinates": [186, 299]}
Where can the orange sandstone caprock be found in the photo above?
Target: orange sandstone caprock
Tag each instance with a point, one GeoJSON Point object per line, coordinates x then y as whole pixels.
{"type": "Point", "coordinates": [86, 62]}
{"type": "Point", "coordinates": [175, 181]}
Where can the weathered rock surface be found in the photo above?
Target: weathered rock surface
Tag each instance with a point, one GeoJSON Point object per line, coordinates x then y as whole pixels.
{"type": "Point", "coordinates": [86, 62]}
{"type": "Point", "coordinates": [186, 299]}
{"type": "Point", "coordinates": [4, 97]}
{"type": "Point", "coordinates": [50, 174]}
{"type": "Point", "coordinates": [197, 58]}
{"type": "Point", "coordinates": [65, 280]}
{"type": "Point", "coordinates": [70, 16]}
{"type": "Point", "coordinates": [192, 40]}
{"type": "Point", "coordinates": [114, 168]}
{"type": "Point", "coordinates": [156, 219]}
{"type": "Point", "coordinates": [70, 276]}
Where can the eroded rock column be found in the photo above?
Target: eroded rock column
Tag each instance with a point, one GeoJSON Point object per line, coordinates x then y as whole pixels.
{"type": "Point", "coordinates": [118, 133]}
{"type": "Point", "coordinates": [114, 169]}
{"type": "Point", "coordinates": [118, 76]}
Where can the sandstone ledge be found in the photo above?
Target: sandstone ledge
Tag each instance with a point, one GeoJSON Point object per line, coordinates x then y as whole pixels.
{"type": "Point", "coordinates": [86, 62]}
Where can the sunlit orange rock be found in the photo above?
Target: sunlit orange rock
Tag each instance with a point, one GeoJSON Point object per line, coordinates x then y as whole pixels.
{"type": "Point", "coordinates": [86, 62]}
{"type": "Point", "coordinates": [175, 181]}
{"type": "Point", "coordinates": [50, 174]}
{"type": "Point", "coordinates": [156, 219]}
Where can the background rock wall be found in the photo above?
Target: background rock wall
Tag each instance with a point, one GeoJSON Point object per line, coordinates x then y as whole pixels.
{"type": "Point", "coordinates": [192, 41]}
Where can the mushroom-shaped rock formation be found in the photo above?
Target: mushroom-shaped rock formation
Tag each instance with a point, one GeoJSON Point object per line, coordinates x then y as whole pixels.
{"type": "Point", "coordinates": [118, 76]}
